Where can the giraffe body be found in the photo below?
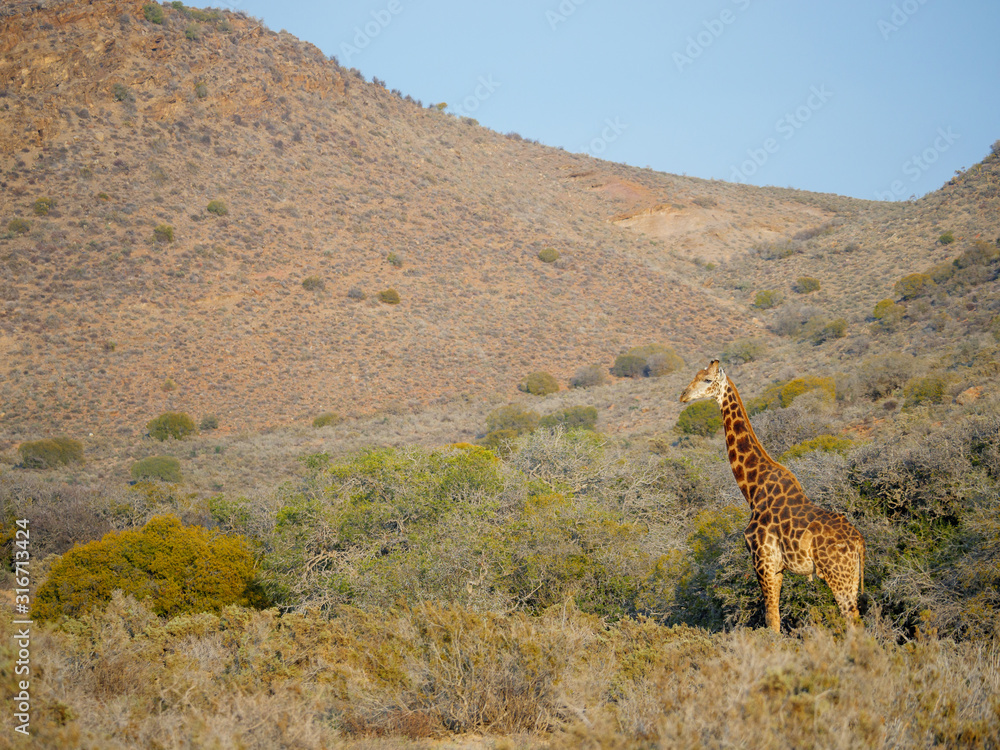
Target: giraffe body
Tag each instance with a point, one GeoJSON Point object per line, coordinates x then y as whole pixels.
{"type": "Point", "coordinates": [786, 531]}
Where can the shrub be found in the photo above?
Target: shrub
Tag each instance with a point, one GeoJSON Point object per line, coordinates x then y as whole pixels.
{"type": "Point", "coordinates": [153, 13]}
{"type": "Point", "coordinates": [650, 360]}
{"type": "Point", "coordinates": [700, 418]}
{"type": "Point", "coordinates": [395, 260]}
{"type": "Point", "coordinates": [571, 418]}
{"type": "Point", "coordinates": [539, 384]}
{"type": "Point", "coordinates": [177, 568]}
{"type": "Point", "coordinates": [588, 376]}
{"type": "Point", "coordinates": [880, 375]}
{"type": "Point", "coordinates": [200, 90]}
{"type": "Point", "coordinates": [805, 285]}
{"type": "Point", "coordinates": [355, 293]}
{"type": "Point", "coordinates": [825, 443]}
{"type": "Point", "coordinates": [629, 366]}
{"type": "Point", "coordinates": [162, 468]}
{"type": "Point", "coordinates": [171, 424]}
{"type": "Point", "coordinates": [219, 208]}
{"type": "Point", "coordinates": [122, 93]}
{"type": "Point", "coordinates": [981, 253]}
{"type": "Point", "coordinates": [743, 350]}
{"type": "Point", "coordinates": [783, 394]}
{"type": "Point", "coordinates": [888, 314]}
{"type": "Point", "coordinates": [327, 419]}
{"type": "Point", "coordinates": [208, 422]}
{"type": "Point", "coordinates": [193, 32]}
{"type": "Point", "coordinates": [548, 255]}
{"type": "Point", "coordinates": [163, 233]}
{"type": "Point", "coordinates": [946, 238]}
{"type": "Point", "coordinates": [42, 206]}
{"type": "Point", "coordinates": [914, 285]}
{"type": "Point", "coordinates": [512, 417]}
{"type": "Point", "coordinates": [389, 297]}
{"type": "Point", "coordinates": [767, 299]}
{"type": "Point", "coordinates": [19, 226]}
{"type": "Point", "coordinates": [824, 330]}
{"type": "Point", "coordinates": [313, 284]}
{"type": "Point", "coordinates": [50, 452]}
{"type": "Point", "coordinates": [925, 390]}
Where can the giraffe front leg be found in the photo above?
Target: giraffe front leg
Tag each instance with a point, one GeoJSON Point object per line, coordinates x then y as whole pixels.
{"type": "Point", "coordinates": [770, 584]}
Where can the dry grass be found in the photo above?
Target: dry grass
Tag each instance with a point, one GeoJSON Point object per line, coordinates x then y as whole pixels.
{"type": "Point", "coordinates": [432, 674]}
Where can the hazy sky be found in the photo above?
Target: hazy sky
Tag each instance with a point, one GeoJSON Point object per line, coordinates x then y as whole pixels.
{"type": "Point", "coordinates": [873, 99]}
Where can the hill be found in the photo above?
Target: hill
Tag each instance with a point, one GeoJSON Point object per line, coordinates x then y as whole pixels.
{"type": "Point", "coordinates": [128, 295]}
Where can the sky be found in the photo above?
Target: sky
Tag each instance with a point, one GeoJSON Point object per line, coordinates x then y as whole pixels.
{"type": "Point", "coordinates": [880, 99]}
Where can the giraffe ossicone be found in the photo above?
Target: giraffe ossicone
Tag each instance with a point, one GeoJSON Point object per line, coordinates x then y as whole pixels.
{"type": "Point", "coordinates": [787, 531]}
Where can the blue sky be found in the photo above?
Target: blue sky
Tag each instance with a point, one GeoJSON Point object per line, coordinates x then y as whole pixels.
{"type": "Point", "coordinates": [882, 99]}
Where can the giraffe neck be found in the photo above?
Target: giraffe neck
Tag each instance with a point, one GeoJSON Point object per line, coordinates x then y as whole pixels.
{"type": "Point", "coordinates": [747, 456]}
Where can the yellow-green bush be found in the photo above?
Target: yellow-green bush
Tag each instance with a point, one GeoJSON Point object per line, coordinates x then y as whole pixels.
{"type": "Point", "coordinates": [538, 384]}
{"type": "Point", "coordinates": [826, 443]}
{"type": "Point", "coordinates": [163, 233]}
{"type": "Point", "coordinates": [926, 390]}
{"type": "Point", "coordinates": [783, 394]}
{"type": "Point", "coordinates": [19, 226]}
{"type": "Point", "coordinates": [163, 468]}
{"type": "Point", "coordinates": [389, 296]}
{"type": "Point", "coordinates": [50, 452]}
{"type": "Point", "coordinates": [571, 418]}
{"type": "Point", "coordinates": [805, 285]}
{"type": "Point", "coordinates": [327, 419]}
{"type": "Point", "coordinates": [42, 206]}
{"type": "Point", "coordinates": [700, 418]}
{"type": "Point", "coordinates": [548, 255]}
{"type": "Point", "coordinates": [217, 207]}
{"type": "Point", "coordinates": [766, 299]}
{"type": "Point", "coordinates": [171, 424]}
{"type": "Point", "coordinates": [177, 568]}
{"type": "Point", "coordinates": [914, 285]}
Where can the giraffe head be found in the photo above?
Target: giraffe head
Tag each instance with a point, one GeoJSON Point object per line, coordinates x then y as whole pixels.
{"type": "Point", "coordinates": [708, 383]}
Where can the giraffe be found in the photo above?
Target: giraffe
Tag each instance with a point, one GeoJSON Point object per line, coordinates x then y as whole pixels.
{"type": "Point", "coordinates": [786, 531]}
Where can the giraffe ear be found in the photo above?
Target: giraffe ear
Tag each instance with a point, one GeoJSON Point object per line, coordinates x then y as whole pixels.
{"type": "Point", "coordinates": [713, 368]}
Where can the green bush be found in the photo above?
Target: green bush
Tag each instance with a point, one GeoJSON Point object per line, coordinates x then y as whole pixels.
{"type": "Point", "coordinates": [783, 394]}
{"type": "Point", "coordinates": [394, 259]}
{"type": "Point", "coordinates": [548, 255]}
{"type": "Point", "coordinates": [171, 424]}
{"type": "Point", "coordinates": [571, 418]}
{"type": "Point", "coordinates": [42, 206]}
{"type": "Point", "coordinates": [649, 360]}
{"type": "Point", "coordinates": [512, 417]}
{"type": "Point", "coordinates": [947, 238]}
{"type": "Point", "coordinates": [743, 350]}
{"type": "Point", "coordinates": [153, 13]}
{"type": "Point", "coordinates": [629, 366]}
{"type": "Point", "coordinates": [19, 226]}
{"type": "Point", "coordinates": [50, 452]}
{"type": "Point", "coordinates": [219, 208]}
{"type": "Point", "coordinates": [176, 568]}
{"type": "Point", "coordinates": [805, 285]}
{"type": "Point", "coordinates": [200, 90]}
{"type": "Point", "coordinates": [982, 253]}
{"type": "Point", "coordinates": [700, 418]}
{"type": "Point", "coordinates": [389, 297]}
{"type": "Point", "coordinates": [588, 376]}
{"type": "Point", "coordinates": [193, 32]}
{"type": "Point", "coordinates": [825, 443]}
{"type": "Point", "coordinates": [313, 284]}
{"type": "Point", "coordinates": [767, 299]}
{"type": "Point", "coordinates": [208, 422]}
{"type": "Point", "coordinates": [539, 384]}
{"type": "Point", "coordinates": [914, 285]}
{"type": "Point", "coordinates": [826, 330]}
{"type": "Point", "coordinates": [888, 314]}
{"type": "Point", "coordinates": [162, 468]}
{"type": "Point", "coordinates": [925, 390]}
{"type": "Point", "coordinates": [163, 233]}
{"type": "Point", "coordinates": [327, 419]}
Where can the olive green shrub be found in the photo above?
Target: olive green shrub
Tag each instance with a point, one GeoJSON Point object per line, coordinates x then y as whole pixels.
{"type": "Point", "coordinates": [163, 468]}
{"type": "Point", "coordinates": [50, 452]}
{"type": "Point", "coordinates": [538, 384]}
{"type": "Point", "coordinates": [171, 424]}
{"type": "Point", "coordinates": [177, 568]}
